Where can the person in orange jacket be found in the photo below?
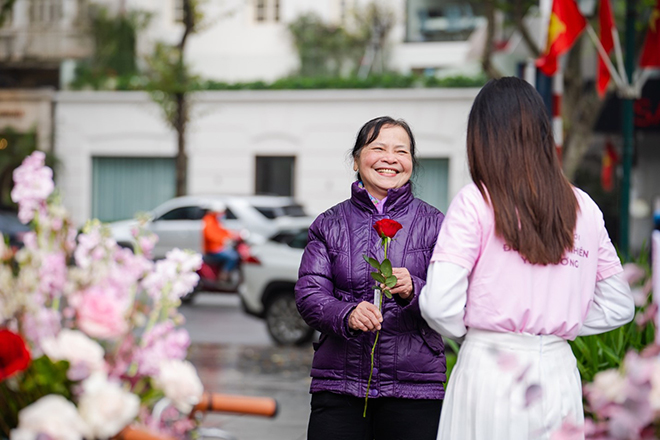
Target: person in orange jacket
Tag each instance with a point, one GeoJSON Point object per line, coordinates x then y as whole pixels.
{"type": "Point", "coordinates": [217, 243]}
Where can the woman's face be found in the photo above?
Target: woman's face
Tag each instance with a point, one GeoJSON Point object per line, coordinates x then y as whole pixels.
{"type": "Point", "coordinates": [386, 162]}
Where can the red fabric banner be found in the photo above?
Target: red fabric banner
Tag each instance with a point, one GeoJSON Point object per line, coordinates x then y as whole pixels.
{"type": "Point", "coordinates": [566, 24]}
{"type": "Point", "coordinates": [651, 52]}
{"type": "Point", "coordinates": [607, 40]}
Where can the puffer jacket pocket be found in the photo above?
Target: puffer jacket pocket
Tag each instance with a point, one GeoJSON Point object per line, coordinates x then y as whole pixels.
{"type": "Point", "coordinates": [330, 357]}
{"type": "Point", "coordinates": [420, 357]}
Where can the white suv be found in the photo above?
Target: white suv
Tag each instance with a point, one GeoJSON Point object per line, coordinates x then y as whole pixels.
{"type": "Point", "coordinates": [177, 222]}
{"type": "Point", "coordinates": [267, 291]}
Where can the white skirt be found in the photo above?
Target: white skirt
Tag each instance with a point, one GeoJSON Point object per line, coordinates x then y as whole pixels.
{"type": "Point", "coordinates": [508, 386]}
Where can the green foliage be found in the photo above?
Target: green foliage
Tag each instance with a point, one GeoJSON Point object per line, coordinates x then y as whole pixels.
{"type": "Point", "coordinates": [325, 49]}
{"type": "Point", "coordinates": [601, 352]}
{"type": "Point", "coordinates": [385, 81]}
{"type": "Point", "coordinates": [114, 55]}
{"type": "Point", "coordinates": [168, 78]}
{"type": "Point", "coordinates": [386, 268]}
{"type": "Point", "coordinates": [6, 6]}
{"type": "Point", "coordinates": [372, 262]}
{"type": "Point", "coordinates": [451, 356]}
{"type": "Point", "coordinates": [41, 378]}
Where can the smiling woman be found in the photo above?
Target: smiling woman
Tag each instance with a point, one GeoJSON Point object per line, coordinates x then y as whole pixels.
{"type": "Point", "coordinates": [386, 162]}
{"type": "Point", "coordinates": [402, 376]}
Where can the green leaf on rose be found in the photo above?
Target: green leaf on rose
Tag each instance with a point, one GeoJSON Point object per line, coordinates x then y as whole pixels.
{"type": "Point", "coordinates": [390, 281]}
{"type": "Point", "coordinates": [372, 262]}
{"type": "Point", "coordinates": [387, 294]}
{"type": "Point", "coordinates": [386, 268]}
{"type": "Point", "coordinates": [378, 277]}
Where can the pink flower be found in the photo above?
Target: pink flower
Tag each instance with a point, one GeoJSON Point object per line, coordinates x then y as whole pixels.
{"type": "Point", "coordinates": [52, 274]}
{"type": "Point", "coordinates": [42, 323]}
{"type": "Point", "coordinates": [101, 315]}
{"type": "Point", "coordinates": [632, 273]}
{"type": "Point", "coordinates": [568, 431]}
{"type": "Point", "coordinates": [162, 343]}
{"type": "Point", "coordinates": [33, 183]}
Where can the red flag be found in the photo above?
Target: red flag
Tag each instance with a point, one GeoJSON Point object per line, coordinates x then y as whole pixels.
{"type": "Point", "coordinates": [651, 52]}
{"type": "Point", "coordinates": [610, 159]}
{"type": "Point", "coordinates": [566, 24]}
{"type": "Point", "coordinates": [606, 39]}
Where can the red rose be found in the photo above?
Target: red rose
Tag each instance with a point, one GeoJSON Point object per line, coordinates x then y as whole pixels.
{"type": "Point", "coordinates": [14, 355]}
{"type": "Point", "coordinates": [387, 228]}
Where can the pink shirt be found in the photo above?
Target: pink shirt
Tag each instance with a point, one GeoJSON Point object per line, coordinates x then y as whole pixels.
{"type": "Point", "coordinates": [507, 294]}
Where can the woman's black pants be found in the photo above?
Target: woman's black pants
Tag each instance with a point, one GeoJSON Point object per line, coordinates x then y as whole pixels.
{"type": "Point", "coordinates": [339, 417]}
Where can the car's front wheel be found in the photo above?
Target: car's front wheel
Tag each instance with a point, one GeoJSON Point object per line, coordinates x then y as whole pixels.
{"type": "Point", "coordinates": [284, 323]}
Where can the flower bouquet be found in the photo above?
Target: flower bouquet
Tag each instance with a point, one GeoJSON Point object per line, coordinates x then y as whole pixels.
{"type": "Point", "coordinates": [89, 332]}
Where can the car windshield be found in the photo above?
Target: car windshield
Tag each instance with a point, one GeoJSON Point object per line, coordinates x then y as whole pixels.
{"type": "Point", "coordinates": [9, 222]}
{"type": "Point", "coordinates": [272, 212]}
{"type": "Point", "coordinates": [296, 239]}
{"type": "Point", "coordinates": [294, 211]}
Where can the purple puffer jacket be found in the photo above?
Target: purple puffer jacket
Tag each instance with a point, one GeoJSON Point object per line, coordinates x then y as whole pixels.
{"type": "Point", "coordinates": [409, 359]}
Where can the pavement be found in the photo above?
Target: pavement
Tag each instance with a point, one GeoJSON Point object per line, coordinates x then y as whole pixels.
{"type": "Point", "coordinates": [233, 355]}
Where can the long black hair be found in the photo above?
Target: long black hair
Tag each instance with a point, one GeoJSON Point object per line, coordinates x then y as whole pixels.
{"type": "Point", "coordinates": [513, 161]}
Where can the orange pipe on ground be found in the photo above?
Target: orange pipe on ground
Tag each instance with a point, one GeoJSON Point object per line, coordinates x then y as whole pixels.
{"type": "Point", "coordinates": [256, 406]}
{"type": "Point", "coordinates": [130, 433]}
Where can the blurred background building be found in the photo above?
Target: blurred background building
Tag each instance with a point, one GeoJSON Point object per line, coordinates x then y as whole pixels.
{"type": "Point", "coordinates": [141, 100]}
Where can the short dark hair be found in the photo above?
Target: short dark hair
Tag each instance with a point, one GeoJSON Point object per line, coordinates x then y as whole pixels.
{"type": "Point", "coordinates": [513, 161]}
{"type": "Point", "coordinates": [370, 131]}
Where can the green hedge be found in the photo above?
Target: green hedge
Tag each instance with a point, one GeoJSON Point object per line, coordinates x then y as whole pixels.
{"type": "Point", "coordinates": [385, 81]}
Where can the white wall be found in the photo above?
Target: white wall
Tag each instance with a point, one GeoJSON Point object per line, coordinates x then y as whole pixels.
{"type": "Point", "coordinates": [229, 129]}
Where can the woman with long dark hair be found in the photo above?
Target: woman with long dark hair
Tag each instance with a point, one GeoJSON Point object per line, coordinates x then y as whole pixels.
{"type": "Point", "coordinates": [523, 263]}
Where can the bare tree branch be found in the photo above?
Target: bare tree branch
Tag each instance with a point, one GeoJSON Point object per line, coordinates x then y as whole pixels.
{"type": "Point", "coordinates": [519, 12]}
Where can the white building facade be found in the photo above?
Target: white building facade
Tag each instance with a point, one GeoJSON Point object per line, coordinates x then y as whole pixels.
{"type": "Point", "coordinates": [248, 40]}
{"type": "Point", "coordinates": [233, 133]}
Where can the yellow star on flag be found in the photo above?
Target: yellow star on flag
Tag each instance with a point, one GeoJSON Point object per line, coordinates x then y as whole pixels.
{"type": "Point", "coordinates": [556, 27]}
{"type": "Point", "coordinates": [655, 15]}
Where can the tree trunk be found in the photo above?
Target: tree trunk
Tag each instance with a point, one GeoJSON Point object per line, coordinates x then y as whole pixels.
{"type": "Point", "coordinates": [181, 155]}
{"type": "Point", "coordinates": [581, 108]}
{"type": "Point", "coordinates": [181, 103]}
{"type": "Point", "coordinates": [486, 58]}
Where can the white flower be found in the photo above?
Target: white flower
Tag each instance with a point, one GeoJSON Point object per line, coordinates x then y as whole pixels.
{"type": "Point", "coordinates": [106, 407]}
{"type": "Point", "coordinates": [53, 416]}
{"type": "Point", "coordinates": [180, 383]}
{"type": "Point", "coordinates": [75, 347]}
{"type": "Point", "coordinates": [611, 385]}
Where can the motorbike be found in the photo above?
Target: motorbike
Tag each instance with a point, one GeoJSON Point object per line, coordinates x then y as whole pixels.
{"type": "Point", "coordinates": [209, 271]}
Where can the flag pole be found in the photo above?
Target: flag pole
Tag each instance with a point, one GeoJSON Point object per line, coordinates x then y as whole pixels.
{"type": "Point", "coordinates": [617, 52]}
{"type": "Point", "coordinates": [606, 58]}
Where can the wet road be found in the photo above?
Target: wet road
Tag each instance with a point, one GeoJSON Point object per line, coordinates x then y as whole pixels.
{"type": "Point", "coordinates": [234, 355]}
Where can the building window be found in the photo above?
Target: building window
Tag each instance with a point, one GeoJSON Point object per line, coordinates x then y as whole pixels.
{"type": "Point", "coordinates": [274, 175]}
{"type": "Point", "coordinates": [267, 10]}
{"type": "Point", "coordinates": [276, 10]}
{"type": "Point", "coordinates": [45, 11]}
{"type": "Point", "coordinates": [178, 11]}
{"type": "Point", "coordinates": [432, 182]}
{"type": "Point", "coordinates": [442, 20]}
{"type": "Point", "coordinates": [260, 11]}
